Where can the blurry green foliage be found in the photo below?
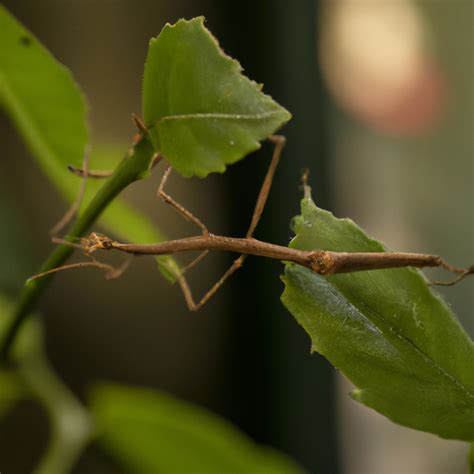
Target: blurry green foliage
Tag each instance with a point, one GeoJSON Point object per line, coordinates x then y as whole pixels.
{"type": "Point", "coordinates": [144, 430]}
{"type": "Point", "coordinates": [150, 432]}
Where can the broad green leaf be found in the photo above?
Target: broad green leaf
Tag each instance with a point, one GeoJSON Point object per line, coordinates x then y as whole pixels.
{"type": "Point", "coordinates": [49, 110]}
{"type": "Point", "coordinates": [42, 98]}
{"type": "Point", "coordinates": [203, 114]}
{"type": "Point", "coordinates": [386, 330]}
{"type": "Point", "coordinates": [152, 432]}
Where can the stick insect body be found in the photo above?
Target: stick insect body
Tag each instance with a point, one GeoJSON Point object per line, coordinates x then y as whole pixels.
{"type": "Point", "coordinates": [319, 261]}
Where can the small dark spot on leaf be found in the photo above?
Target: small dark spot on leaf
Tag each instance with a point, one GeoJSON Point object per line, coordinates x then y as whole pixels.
{"type": "Point", "coordinates": [25, 41]}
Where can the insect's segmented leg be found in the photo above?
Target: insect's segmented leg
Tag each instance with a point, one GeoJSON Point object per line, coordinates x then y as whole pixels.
{"type": "Point", "coordinates": [279, 143]}
{"type": "Point", "coordinates": [462, 274]}
{"type": "Point", "coordinates": [83, 173]}
{"type": "Point", "coordinates": [194, 262]}
{"type": "Point", "coordinates": [188, 294]}
{"type": "Point", "coordinates": [71, 212]}
{"type": "Point", "coordinates": [110, 271]}
{"type": "Point", "coordinates": [119, 271]}
{"type": "Point", "coordinates": [189, 216]}
{"type": "Point", "coordinates": [102, 174]}
{"type": "Point", "coordinates": [175, 205]}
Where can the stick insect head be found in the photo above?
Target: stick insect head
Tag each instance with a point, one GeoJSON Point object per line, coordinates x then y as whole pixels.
{"type": "Point", "coordinates": [96, 241]}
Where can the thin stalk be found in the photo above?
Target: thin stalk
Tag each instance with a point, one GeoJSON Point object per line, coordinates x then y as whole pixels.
{"type": "Point", "coordinates": [132, 168]}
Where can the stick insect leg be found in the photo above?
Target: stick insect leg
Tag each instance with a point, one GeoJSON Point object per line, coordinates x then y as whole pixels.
{"type": "Point", "coordinates": [188, 296]}
{"type": "Point", "coordinates": [194, 262]}
{"type": "Point", "coordinates": [175, 205]}
{"type": "Point", "coordinates": [189, 216]}
{"type": "Point", "coordinates": [451, 268]}
{"type": "Point", "coordinates": [71, 212]}
{"type": "Point", "coordinates": [85, 173]}
{"type": "Point", "coordinates": [110, 271]}
{"type": "Point", "coordinates": [102, 174]}
{"type": "Point", "coordinates": [279, 143]}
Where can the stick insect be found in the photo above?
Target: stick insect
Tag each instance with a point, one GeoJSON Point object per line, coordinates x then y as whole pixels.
{"type": "Point", "coordinates": [319, 261]}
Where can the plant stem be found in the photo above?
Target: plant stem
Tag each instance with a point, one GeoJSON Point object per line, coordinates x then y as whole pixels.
{"type": "Point", "coordinates": [133, 167]}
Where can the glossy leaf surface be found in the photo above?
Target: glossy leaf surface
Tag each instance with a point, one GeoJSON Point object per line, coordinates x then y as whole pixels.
{"type": "Point", "coordinates": [203, 114]}
{"type": "Point", "coordinates": [386, 330]}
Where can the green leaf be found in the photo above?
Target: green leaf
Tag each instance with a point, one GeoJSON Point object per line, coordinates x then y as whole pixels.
{"type": "Point", "coordinates": [49, 110]}
{"type": "Point", "coordinates": [150, 432]}
{"type": "Point", "coordinates": [386, 330]}
{"type": "Point", "coordinates": [42, 98]}
{"type": "Point", "coordinates": [203, 114]}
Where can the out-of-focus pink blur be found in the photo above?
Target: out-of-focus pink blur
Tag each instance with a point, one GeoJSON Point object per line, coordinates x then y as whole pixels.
{"type": "Point", "coordinates": [377, 62]}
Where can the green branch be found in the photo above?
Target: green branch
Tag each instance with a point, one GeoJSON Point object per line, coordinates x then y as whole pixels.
{"type": "Point", "coordinates": [131, 169]}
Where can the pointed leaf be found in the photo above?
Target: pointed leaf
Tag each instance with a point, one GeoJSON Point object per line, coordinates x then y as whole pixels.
{"type": "Point", "coordinates": [386, 330]}
{"type": "Point", "coordinates": [203, 114]}
{"type": "Point", "coordinates": [149, 431]}
{"type": "Point", "coordinates": [42, 98]}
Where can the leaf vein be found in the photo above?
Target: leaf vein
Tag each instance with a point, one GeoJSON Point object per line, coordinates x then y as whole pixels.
{"type": "Point", "coordinates": [219, 116]}
{"type": "Point", "coordinates": [414, 347]}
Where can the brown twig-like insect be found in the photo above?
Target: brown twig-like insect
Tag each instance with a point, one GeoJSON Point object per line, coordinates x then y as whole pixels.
{"type": "Point", "coordinates": [320, 261]}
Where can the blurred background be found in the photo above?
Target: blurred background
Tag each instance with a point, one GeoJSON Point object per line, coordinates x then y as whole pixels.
{"type": "Point", "coordinates": [382, 101]}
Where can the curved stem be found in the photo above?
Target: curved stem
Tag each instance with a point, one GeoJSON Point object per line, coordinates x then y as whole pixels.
{"type": "Point", "coordinates": [71, 426]}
